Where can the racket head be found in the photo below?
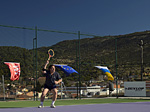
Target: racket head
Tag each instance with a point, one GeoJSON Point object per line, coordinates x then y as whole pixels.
{"type": "Point", "coordinates": [51, 53]}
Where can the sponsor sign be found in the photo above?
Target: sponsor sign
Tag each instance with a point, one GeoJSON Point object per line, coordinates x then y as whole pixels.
{"type": "Point", "coordinates": [135, 88]}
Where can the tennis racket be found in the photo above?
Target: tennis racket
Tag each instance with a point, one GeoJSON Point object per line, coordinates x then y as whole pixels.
{"type": "Point", "coordinates": [51, 54]}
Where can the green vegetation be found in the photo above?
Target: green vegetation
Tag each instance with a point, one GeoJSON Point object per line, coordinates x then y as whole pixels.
{"type": "Point", "coordinates": [20, 104]}
{"type": "Point", "coordinates": [94, 51]}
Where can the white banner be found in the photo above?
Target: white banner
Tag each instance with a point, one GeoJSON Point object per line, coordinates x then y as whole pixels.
{"type": "Point", "coordinates": [135, 88]}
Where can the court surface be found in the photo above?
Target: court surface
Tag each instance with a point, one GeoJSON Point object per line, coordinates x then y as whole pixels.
{"type": "Point", "coordinates": [115, 107]}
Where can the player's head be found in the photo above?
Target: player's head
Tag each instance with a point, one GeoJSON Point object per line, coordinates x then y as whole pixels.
{"type": "Point", "coordinates": [51, 68]}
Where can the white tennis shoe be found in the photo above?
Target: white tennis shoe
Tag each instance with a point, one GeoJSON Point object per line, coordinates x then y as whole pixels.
{"type": "Point", "coordinates": [41, 106]}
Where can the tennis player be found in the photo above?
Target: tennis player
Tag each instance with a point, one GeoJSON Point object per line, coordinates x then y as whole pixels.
{"type": "Point", "coordinates": [52, 79]}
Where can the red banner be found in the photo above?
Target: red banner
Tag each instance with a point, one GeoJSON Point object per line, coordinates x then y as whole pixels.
{"type": "Point", "coordinates": [14, 70]}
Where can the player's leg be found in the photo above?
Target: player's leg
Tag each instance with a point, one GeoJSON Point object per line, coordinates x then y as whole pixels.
{"type": "Point", "coordinates": [44, 94]}
{"type": "Point", "coordinates": [43, 97]}
{"type": "Point", "coordinates": [54, 91]}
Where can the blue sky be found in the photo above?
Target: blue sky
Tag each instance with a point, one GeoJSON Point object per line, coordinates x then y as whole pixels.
{"type": "Point", "coordinates": [98, 17]}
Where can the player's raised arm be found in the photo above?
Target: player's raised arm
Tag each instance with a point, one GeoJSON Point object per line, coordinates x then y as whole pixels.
{"type": "Point", "coordinates": [45, 66]}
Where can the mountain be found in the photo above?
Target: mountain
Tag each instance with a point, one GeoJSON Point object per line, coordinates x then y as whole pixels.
{"type": "Point", "coordinates": [91, 52]}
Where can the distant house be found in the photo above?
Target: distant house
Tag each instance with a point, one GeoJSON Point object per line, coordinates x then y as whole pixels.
{"type": "Point", "coordinates": [31, 94]}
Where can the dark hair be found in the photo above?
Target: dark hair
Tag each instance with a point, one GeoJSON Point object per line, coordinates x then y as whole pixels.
{"type": "Point", "coordinates": [50, 66]}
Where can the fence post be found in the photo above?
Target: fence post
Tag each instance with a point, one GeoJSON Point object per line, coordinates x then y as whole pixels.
{"type": "Point", "coordinates": [79, 66]}
{"type": "Point", "coordinates": [3, 86]}
{"type": "Point", "coordinates": [116, 68]}
{"type": "Point", "coordinates": [36, 60]}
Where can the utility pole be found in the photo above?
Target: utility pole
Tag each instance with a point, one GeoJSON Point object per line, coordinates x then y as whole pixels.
{"type": "Point", "coordinates": [142, 68]}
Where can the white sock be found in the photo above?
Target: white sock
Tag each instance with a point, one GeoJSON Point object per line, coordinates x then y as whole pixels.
{"type": "Point", "coordinates": [53, 102]}
{"type": "Point", "coordinates": [41, 103]}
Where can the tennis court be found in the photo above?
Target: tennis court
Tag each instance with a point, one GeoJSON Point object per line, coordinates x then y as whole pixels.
{"type": "Point", "coordinates": [115, 107]}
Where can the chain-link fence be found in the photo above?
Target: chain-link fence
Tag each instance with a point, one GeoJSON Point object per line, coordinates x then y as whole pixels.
{"type": "Point", "coordinates": [125, 56]}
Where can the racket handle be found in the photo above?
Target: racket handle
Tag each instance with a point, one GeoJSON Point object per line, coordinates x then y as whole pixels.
{"type": "Point", "coordinates": [49, 58]}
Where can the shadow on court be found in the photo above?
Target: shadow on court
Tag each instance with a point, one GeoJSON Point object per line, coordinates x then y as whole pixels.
{"type": "Point", "coordinates": [116, 107]}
